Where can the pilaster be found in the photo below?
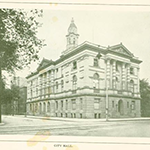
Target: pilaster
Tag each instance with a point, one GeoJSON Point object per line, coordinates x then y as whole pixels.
{"type": "Point", "coordinates": [108, 73]}
{"type": "Point", "coordinates": [128, 76]}
{"type": "Point", "coordinates": [123, 76]}
{"type": "Point", "coordinates": [114, 75]}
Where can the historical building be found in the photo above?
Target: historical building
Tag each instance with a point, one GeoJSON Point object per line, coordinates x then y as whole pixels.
{"type": "Point", "coordinates": [19, 104]}
{"type": "Point", "coordinates": [85, 81]}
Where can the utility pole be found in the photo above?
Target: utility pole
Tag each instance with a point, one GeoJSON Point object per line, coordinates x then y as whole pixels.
{"type": "Point", "coordinates": [1, 86]}
{"type": "Point", "coordinates": [107, 111]}
{"type": "Point", "coordinates": [107, 85]}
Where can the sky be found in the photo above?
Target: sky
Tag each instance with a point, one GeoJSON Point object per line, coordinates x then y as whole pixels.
{"type": "Point", "coordinates": [103, 27]}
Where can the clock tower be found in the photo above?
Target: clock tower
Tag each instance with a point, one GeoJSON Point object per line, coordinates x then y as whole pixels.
{"type": "Point", "coordinates": [72, 36]}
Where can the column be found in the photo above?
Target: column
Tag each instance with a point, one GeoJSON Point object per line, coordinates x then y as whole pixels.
{"type": "Point", "coordinates": [108, 73]}
{"type": "Point", "coordinates": [52, 81]}
{"type": "Point", "coordinates": [45, 85]}
{"type": "Point", "coordinates": [128, 76]}
{"type": "Point", "coordinates": [138, 83]}
{"type": "Point", "coordinates": [40, 89]}
{"type": "Point", "coordinates": [114, 75]}
{"type": "Point", "coordinates": [123, 76]}
{"type": "Point", "coordinates": [107, 86]}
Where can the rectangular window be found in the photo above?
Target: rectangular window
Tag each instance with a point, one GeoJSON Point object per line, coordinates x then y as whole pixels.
{"type": "Point", "coordinates": [62, 85]}
{"type": "Point", "coordinates": [40, 91]}
{"type": "Point", "coordinates": [66, 104]}
{"type": "Point", "coordinates": [56, 87]}
{"type": "Point", "coordinates": [62, 105]}
{"type": "Point", "coordinates": [99, 115]}
{"type": "Point", "coordinates": [131, 70]}
{"type": "Point", "coordinates": [96, 62]}
{"type": "Point", "coordinates": [31, 93]}
{"type": "Point", "coordinates": [96, 103]}
{"type": "Point", "coordinates": [133, 105]}
{"type": "Point", "coordinates": [113, 104]}
{"type": "Point", "coordinates": [49, 72]}
{"type": "Point", "coordinates": [49, 90]}
{"type": "Point", "coordinates": [81, 103]}
{"type": "Point", "coordinates": [74, 65]}
{"type": "Point", "coordinates": [56, 105]}
{"type": "Point", "coordinates": [73, 104]}
{"type": "Point", "coordinates": [127, 104]}
{"type": "Point", "coordinates": [66, 115]}
{"type": "Point", "coordinates": [61, 114]}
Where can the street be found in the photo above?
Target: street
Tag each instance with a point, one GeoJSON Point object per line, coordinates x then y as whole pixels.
{"type": "Point", "coordinates": [114, 128]}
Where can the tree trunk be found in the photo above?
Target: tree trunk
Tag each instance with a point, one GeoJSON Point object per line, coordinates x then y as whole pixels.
{"type": "Point", "coordinates": [0, 90]}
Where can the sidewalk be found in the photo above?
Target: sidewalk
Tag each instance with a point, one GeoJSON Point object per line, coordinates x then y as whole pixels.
{"type": "Point", "coordinates": [93, 120]}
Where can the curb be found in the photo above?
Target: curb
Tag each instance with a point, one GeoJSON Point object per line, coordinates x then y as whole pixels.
{"type": "Point", "coordinates": [1, 124]}
{"type": "Point", "coordinates": [96, 120]}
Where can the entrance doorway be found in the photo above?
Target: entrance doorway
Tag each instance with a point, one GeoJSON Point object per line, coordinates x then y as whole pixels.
{"type": "Point", "coordinates": [120, 107]}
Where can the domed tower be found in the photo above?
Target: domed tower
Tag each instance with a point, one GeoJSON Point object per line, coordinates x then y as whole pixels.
{"type": "Point", "coordinates": [72, 36]}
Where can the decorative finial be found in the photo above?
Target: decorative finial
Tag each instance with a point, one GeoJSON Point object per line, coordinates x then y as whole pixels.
{"type": "Point", "coordinates": [72, 20]}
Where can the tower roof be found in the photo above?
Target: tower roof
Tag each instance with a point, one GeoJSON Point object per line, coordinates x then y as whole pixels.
{"type": "Point", "coordinates": [72, 28]}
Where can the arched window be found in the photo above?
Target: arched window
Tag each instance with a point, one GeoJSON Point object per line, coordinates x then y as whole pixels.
{"type": "Point", "coordinates": [96, 82]}
{"type": "Point", "coordinates": [40, 108]}
{"type": "Point", "coordinates": [36, 108]}
{"type": "Point", "coordinates": [74, 82]}
{"type": "Point", "coordinates": [132, 86]}
{"type": "Point", "coordinates": [96, 76]}
{"type": "Point", "coordinates": [56, 105]}
{"type": "Point", "coordinates": [48, 107]}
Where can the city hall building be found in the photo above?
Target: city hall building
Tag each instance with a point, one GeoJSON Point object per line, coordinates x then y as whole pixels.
{"type": "Point", "coordinates": [87, 81]}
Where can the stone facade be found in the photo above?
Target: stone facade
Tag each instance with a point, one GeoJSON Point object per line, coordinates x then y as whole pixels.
{"type": "Point", "coordinates": [84, 81]}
